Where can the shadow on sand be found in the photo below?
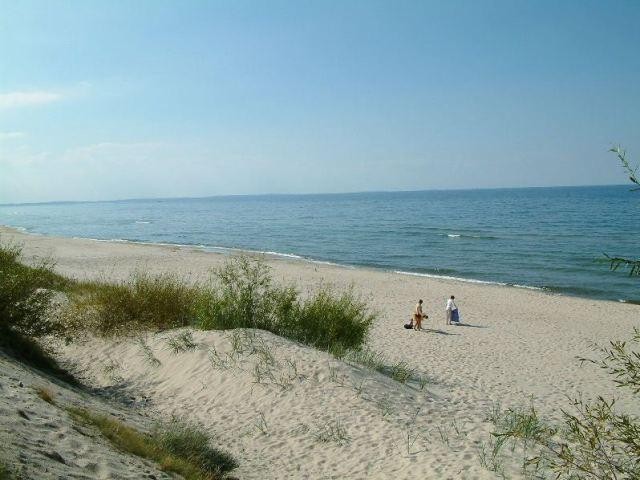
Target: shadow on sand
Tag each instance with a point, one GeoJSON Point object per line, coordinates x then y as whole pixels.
{"type": "Point", "coordinates": [469, 325]}
{"type": "Point", "coordinates": [440, 332]}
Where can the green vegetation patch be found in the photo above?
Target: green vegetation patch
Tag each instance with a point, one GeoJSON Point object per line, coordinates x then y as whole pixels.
{"type": "Point", "coordinates": [26, 295]}
{"type": "Point", "coordinates": [242, 294]}
{"type": "Point", "coordinates": [176, 446]}
{"type": "Point", "coordinates": [142, 303]}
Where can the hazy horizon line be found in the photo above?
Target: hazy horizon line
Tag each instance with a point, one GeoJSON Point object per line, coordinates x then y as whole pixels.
{"type": "Point", "coordinates": [359, 192]}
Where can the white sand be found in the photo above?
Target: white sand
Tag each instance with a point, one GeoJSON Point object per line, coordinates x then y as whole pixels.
{"type": "Point", "coordinates": [518, 344]}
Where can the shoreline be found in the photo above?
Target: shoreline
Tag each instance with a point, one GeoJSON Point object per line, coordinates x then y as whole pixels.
{"type": "Point", "coordinates": [224, 251]}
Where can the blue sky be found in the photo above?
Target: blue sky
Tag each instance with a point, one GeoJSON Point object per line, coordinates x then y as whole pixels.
{"type": "Point", "coordinates": [115, 99]}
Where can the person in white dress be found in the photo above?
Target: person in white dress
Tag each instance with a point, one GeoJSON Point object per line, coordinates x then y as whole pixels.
{"type": "Point", "coordinates": [451, 306]}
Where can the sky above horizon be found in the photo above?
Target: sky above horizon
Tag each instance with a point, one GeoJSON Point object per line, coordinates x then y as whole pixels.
{"type": "Point", "coordinates": [112, 100]}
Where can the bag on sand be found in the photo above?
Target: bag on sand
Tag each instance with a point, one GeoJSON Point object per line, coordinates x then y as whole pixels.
{"type": "Point", "coordinates": [455, 316]}
{"type": "Point", "coordinates": [409, 325]}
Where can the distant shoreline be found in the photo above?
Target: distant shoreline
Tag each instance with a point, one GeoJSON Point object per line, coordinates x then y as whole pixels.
{"type": "Point", "coordinates": [309, 194]}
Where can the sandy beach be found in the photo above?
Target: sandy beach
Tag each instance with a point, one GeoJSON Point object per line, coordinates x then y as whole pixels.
{"type": "Point", "coordinates": [336, 420]}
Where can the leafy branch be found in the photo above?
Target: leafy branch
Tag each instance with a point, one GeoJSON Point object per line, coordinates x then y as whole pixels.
{"type": "Point", "coordinates": [632, 172]}
{"type": "Point", "coordinates": [593, 441]}
{"type": "Point", "coordinates": [616, 262]}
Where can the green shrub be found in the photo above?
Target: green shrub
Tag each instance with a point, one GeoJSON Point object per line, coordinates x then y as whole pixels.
{"type": "Point", "coordinates": [328, 319]}
{"type": "Point", "coordinates": [244, 296]}
{"type": "Point", "coordinates": [26, 293]}
{"type": "Point", "coordinates": [25, 300]}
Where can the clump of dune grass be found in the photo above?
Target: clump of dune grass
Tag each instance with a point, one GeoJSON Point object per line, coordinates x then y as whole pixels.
{"type": "Point", "coordinates": [244, 296]}
{"type": "Point", "coordinates": [241, 295]}
{"type": "Point", "coordinates": [147, 354]}
{"type": "Point", "coordinates": [332, 431]}
{"type": "Point", "coordinates": [400, 371]}
{"type": "Point", "coordinates": [141, 303]}
{"type": "Point", "coordinates": [45, 394]}
{"type": "Point", "coordinates": [188, 440]}
{"type": "Point", "coordinates": [176, 447]}
{"type": "Point", "coordinates": [367, 358]}
{"type": "Point", "coordinates": [182, 342]}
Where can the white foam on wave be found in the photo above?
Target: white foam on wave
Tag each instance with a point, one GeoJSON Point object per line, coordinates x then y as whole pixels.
{"type": "Point", "coordinates": [449, 277]}
{"type": "Point", "coordinates": [527, 287]}
{"type": "Point", "coordinates": [476, 237]}
{"type": "Point", "coordinates": [142, 222]}
{"type": "Point", "coordinates": [286, 255]}
{"type": "Point", "coordinates": [467, 280]}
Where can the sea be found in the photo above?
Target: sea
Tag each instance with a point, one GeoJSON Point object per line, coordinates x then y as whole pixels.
{"type": "Point", "coordinates": [553, 239]}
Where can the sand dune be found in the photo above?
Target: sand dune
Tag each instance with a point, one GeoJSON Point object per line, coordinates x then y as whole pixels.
{"type": "Point", "coordinates": [43, 442]}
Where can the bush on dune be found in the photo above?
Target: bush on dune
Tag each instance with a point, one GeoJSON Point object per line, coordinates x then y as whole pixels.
{"type": "Point", "coordinates": [26, 293]}
{"type": "Point", "coordinates": [329, 320]}
{"type": "Point", "coordinates": [245, 296]}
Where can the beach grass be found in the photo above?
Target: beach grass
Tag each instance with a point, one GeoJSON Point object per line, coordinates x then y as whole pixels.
{"type": "Point", "coordinates": [185, 439]}
{"type": "Point", "coordinates": [176, 447]}
{"type": "Point", "coordinates": [45, 394]}
{"type": "Point", "coordinates": [142, 303]}
{"type": "Point", "coordinates": [329, 318]}
{"type": "Point", "coordinates": [242, 294]}
{"type": "Point", "coordinates": [399, 371]}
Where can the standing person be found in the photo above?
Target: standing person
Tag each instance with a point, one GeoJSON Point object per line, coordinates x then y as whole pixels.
{"type": "Point", "coordinates": [418, 316]}
{"type": "Point", "coordinates": [451, 306]}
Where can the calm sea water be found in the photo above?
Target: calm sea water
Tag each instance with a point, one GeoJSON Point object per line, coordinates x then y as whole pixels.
{"type": "Point", "coordinates": [550, 238]}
